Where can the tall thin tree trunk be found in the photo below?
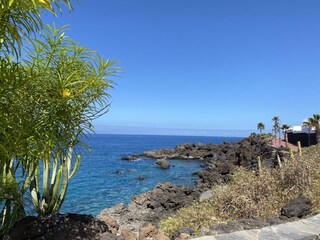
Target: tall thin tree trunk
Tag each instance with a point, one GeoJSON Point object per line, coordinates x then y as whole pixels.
{"type": "Point", "coordinates": [309, 129]}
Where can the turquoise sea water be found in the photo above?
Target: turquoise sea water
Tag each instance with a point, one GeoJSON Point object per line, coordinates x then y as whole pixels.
{"type": "Point", "coordinates": [97, 185]}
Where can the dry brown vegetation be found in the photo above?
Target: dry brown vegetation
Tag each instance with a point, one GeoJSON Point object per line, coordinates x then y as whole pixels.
{"type": "Point", "coordinates": [251, 195]}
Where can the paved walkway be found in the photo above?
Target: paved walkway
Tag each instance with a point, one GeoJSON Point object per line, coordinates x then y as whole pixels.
{"type": "Point", "coordinates": [306, 229]}
{"type": "Point", "coordinates": [281, 143]}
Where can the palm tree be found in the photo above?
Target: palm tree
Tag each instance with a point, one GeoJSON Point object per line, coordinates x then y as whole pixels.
{"type": "Point", "coordinates": [276, 126]}
{"type": "Point", "coordinates": [315, 122]}
{"type": "Point", "coordinates": [307, 124]}
{"type": "Point", "coordinates": [260, 127]}
{"type": "Point", "coordinates": [284, 129]}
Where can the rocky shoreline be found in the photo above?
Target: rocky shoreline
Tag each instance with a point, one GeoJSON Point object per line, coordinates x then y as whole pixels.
{"type": "Point", "coordinates": [220, 160]}
{"type": "Point", "coordinates": [219, 163]}
{"type": "Point", "coordinates": [141, 218]}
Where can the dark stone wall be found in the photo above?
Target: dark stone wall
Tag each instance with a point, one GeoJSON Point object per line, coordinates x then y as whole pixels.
{"type": "Point", "coordinates": [303, 138]}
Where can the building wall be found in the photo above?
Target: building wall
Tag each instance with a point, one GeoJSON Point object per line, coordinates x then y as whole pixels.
{"type": "Point", "coordinates": [303, 138]}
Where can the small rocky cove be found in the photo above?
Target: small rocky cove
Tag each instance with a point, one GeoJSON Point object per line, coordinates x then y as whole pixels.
{"type": "Point", "coordinates": [141, 218]}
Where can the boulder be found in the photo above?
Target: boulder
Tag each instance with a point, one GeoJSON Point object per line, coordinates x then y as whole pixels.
{"type": "Point", "coordinates": [297, 208]}
{"type": "Point", "coordinates": [147, 231]}
{"type": "Point", "coordinates": [59, 226]}
{"type": "Point", "coordinates": [127, 234]}
{"type": "Point", "coordinates": [205, 231]}
{"type": "Point", "coordinates": [163, 163]}
{"type": "Point", "coordinates": [183, 233]}
{"type": "Point", "coordinates": [183, 236]}
{"type": "Point", "coordinates": [113, 226]}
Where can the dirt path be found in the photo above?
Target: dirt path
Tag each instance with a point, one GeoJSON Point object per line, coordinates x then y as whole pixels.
{"type": "Point", "coordinates": [276, 143]}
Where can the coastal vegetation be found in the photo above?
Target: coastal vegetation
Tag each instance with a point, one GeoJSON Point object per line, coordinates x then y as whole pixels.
{"type": "Point", "coordinates": [253, 195]}
{"type": "Point", "coordinates": [49, 96]}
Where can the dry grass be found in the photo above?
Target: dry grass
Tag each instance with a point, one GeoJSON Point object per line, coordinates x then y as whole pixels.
{"type": "Point", "coordinates": [249, 195]}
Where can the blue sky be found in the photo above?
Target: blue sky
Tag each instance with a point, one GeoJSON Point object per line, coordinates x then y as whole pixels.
{"type": "Point", "coordinates": [208, 65]}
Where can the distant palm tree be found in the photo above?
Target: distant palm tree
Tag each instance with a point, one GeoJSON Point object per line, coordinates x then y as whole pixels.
{"type": "Point", "coordinates": [260, 127]}
{"type": "Point", "coordinates": [276, 126]}
{"type": "Point", "coordinates": [315, 122]}
{"type": "Point", "coordinates": [284, 129]}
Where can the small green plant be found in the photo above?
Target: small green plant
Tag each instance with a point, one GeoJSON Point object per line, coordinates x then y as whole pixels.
{"type": "Point", "coordinates": [259, 165]}
{"type": "Point", "coordinates": [291, 153]}
{"type": "Point", "coordinates": [299, 148]}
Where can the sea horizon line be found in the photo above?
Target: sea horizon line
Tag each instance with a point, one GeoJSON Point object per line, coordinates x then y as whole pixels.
{"type": "Point", "coordinates": [166, 131]}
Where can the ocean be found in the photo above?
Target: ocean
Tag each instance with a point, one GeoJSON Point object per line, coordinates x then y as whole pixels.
{"type": "Point", "coordinates": [104, 180]}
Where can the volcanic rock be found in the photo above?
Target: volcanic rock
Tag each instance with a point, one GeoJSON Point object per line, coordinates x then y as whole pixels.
{"type": "Point", "coordinates": [147, 231]}
{"type": "Point", "coordinates": [297, 208]}
{"type": "Point", "coordinates": [152, 206]}
{"type": "Point", "coordinates": [58, 226]}
{"type": "Point", "coordinates": [163, 163]}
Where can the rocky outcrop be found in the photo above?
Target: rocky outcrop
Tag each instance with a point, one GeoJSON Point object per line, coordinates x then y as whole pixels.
{"type": "Point", "coordinates": [241, 152]}
{"type": "Point", "coordinates": [151, 207]}
{"type": "Point", "coordinates": [132, 158]}
{"type": "Point", "coordinates": [147, 231]}
{"type": "Point", "coordinates": [59, 226]}
{"type": "Point", "coordinates": [228, 156]}
{"type": "Point", "coordinates": [163, 163]}
{"type": "Point", "coordinates": [221, 160]}
{"type": "Point", "coordinates": [297, 208]}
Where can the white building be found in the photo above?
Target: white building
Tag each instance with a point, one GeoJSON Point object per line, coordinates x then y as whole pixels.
{"type": "Point", "coordinates": [301, 129]}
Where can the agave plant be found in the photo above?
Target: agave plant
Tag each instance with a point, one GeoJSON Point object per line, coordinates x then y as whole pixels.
{"type": "Point", "coordinates": [54, 190]}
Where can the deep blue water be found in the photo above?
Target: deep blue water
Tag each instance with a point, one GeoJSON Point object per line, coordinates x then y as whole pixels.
{"type": "Point", "coordinates": [96, 185]}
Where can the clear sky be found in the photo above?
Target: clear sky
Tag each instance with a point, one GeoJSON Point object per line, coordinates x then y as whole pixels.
{"type": "Point", "coordinates": [205, 64]}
